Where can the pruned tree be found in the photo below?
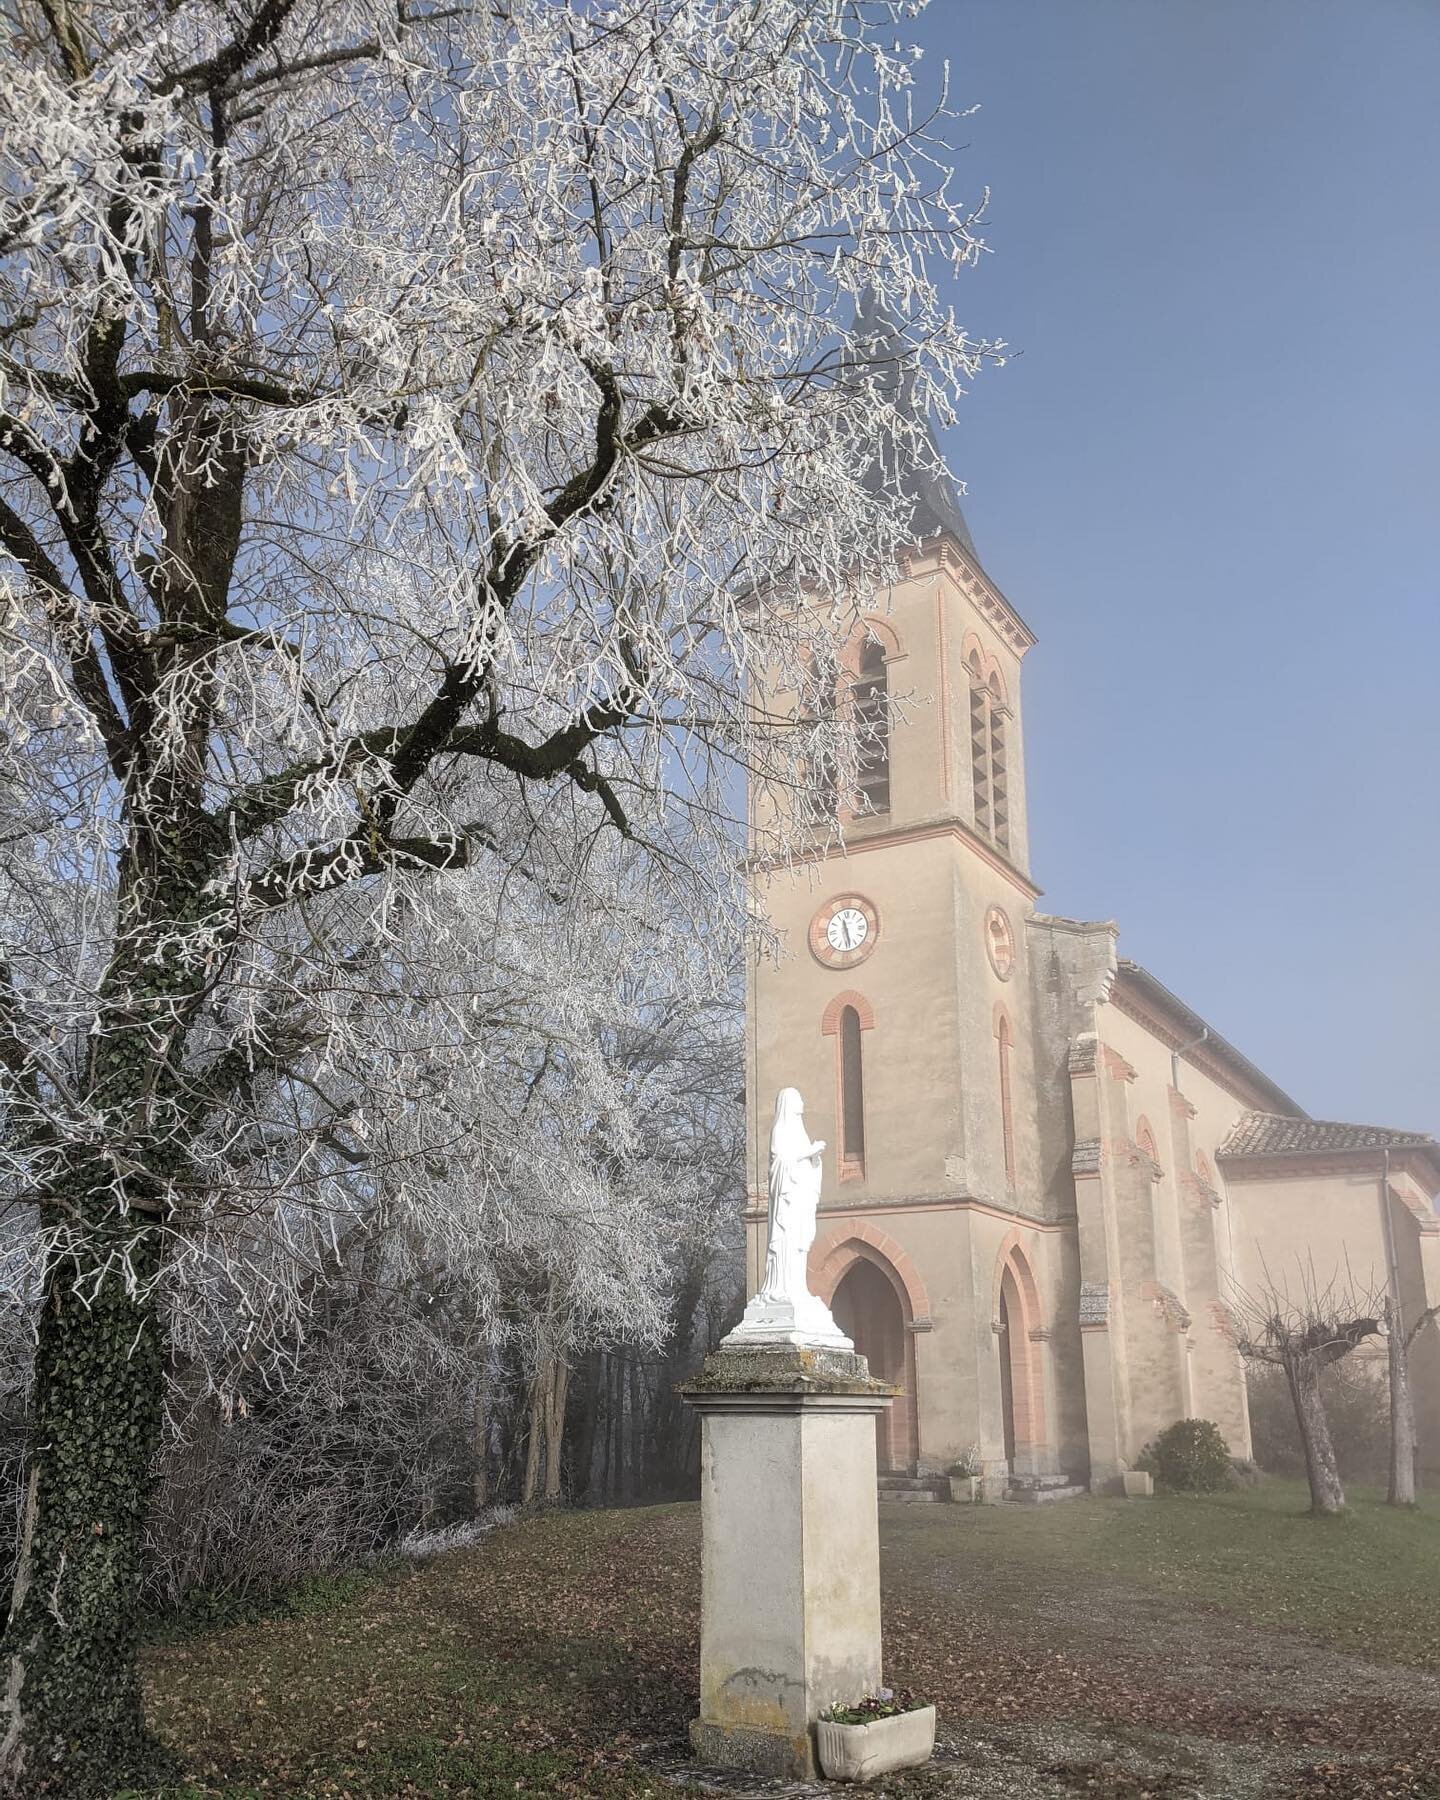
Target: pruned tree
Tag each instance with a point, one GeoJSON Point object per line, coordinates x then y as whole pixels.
{"type": "Point", "coordinates": [414, 423]}
{"type": "Point", "coordinates": [1398, 1340]}
{"type": "Point", "coordinates": [1304, 1332]}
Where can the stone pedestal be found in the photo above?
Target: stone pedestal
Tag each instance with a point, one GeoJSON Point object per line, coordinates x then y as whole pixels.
{"type": "Point", "coordinates": [790, 1610]}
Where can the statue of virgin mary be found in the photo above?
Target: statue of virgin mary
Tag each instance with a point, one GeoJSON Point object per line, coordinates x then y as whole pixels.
{"type": "Point", "coordinates": [784, 1310]}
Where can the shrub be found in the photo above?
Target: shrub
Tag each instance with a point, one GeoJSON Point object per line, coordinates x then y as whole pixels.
{"type": "Point", "coordinates": [1355, 1392]}
{"type": "Point", "coordinates": [1189, 1457]}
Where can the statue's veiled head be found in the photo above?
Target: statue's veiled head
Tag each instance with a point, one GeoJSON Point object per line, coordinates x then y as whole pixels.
{"type": "Point", "coordinates": [788, 1106]}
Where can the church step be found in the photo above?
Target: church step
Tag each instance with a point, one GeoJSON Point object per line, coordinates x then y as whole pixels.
{"type": "Point", "coordinates": [1037, 1496]}
{"type": "Point", "coordinates": [909, 1489]}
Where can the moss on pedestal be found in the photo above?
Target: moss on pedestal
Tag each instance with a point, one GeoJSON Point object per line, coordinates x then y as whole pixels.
{"type": "Point", "coordinates": [785, 1369]}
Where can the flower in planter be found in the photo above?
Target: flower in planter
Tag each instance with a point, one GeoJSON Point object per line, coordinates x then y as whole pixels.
{"type": "Point", "coordinates": [887, 1730]}
{"type": "Point", "coordinates": [884, 1703]}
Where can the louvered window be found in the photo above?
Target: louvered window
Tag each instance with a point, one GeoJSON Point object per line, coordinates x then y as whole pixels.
{"type": "Point", "coordinates": [872, 729]}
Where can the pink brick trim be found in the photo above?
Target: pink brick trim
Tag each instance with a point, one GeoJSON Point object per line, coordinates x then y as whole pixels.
{"type": "Point", "coordinates": [885, 633]}
{"type": "Point", "coordinates": [830, 1022]}
{"type": "Point", "coordinates": [1027, 1350]}
{"type": "Point", "coordinates": [834, 1255]}
{"type": "Point", "coordinates": [1012, 1252]}
{"type": "Point", "coordinates": [1116, 1066]}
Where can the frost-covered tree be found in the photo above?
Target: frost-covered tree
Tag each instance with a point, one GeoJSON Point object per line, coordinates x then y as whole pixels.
{"type": "Point", "coordinates": [415, 422]}
{"type": "Point", "coordinates": [533, 1220]}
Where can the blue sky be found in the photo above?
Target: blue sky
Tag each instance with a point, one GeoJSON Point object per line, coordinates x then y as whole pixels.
{"type": "Point", "coordinates": [1208, 479]}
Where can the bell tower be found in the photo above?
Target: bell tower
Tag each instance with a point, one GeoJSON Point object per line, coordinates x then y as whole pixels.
{"type": "Point", "coordinates": [900, 1005]}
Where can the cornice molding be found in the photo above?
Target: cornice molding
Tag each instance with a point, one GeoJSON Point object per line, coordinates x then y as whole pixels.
{"type": "Point", "coordinates": [853, 1209]}
{"type": "Point", "coordinates": [942, 551]}
{"type": "Point", "coordinates": [888, 836]}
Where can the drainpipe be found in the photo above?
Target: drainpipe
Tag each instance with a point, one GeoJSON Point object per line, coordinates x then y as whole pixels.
{"type": "Point", "coordinates": [1395, 1345]}
{"type": "Point", "coordinates": [1180, 1050]}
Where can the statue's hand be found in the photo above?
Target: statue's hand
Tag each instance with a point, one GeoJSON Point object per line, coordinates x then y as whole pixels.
{"type": "Point", "coordinates": [817, 1147]}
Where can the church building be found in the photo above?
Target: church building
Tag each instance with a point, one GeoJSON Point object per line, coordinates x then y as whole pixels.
{"type": "Point", "coordinates": [1049, 1183]}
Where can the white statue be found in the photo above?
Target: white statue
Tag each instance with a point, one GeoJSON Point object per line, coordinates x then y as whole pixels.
{"type": "Point", "coordinates": [784, 1311]}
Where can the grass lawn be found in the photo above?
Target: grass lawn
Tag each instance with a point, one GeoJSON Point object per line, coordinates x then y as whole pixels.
{"type": "Point", "coordinates": [1368, 1581]}
{"type": "Point", "coordinates": [1227, 1646]}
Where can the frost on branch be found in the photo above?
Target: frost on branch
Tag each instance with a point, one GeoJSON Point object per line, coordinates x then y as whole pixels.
{"type": "Point", "coordinates": [414, 432]}
{"type": "Point", "coordinates": [419, 428]}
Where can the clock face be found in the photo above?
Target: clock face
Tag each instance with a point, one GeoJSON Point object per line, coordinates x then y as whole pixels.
{"type": "Point", "coordinates": [844, 931]}
{"type": "Point", "coordinates": [848, 929]}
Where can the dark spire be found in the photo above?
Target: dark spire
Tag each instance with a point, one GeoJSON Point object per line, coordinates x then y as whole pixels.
{"type": "Point", "coordinates": [912, 464]}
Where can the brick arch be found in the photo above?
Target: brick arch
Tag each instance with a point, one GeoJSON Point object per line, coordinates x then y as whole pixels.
{"type": "Point", "coordinates": [845, 1250]}
{"type": "Point", "coordinates": [1203, 1168]}
{"type": "Point", "coordinates": [885, 633]}
{"type": "Point", "coordinates": [834, 1255]}
{"type": "Point", "coordinates": [1002, 1022]}
{"type": "Point", "coordinates": [1024, 1346]}
{"type": "Point", "coordinates": [830, 1019]}
{"type": "Point", "coordinates": [972, 651]}
{"type": "Point", "coordinates": [1013, 1255]}
{"type": "Point", "coordinates": [1145, 1139]}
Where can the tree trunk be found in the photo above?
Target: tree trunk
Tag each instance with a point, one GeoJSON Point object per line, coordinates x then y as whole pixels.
{"type": "Point", "coordinates": [607, 1472]}
{"type": "Point", "coordinates": [669, 1434]}
{"type": "Point", "coordinates": [479, 1459]}
{"type": "Point", "coordinates": [533, 1441]}
{"type": "Point", "coordinates": [1326, 1493]}
{"type": "Point", "coordinates": [583, 1454]}
{"type": "Point", "coordinates": [73, 1718]}
{"type": "Point", "coordinates": [634, 1478]}
{"type": "Point", "coordinates": [555, 1425]}
{"type": "Point", "coordinates": [1402, 1413]}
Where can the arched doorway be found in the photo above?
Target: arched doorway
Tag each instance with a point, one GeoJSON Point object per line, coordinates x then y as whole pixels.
{"type": "Point", "coordinates": [867, 1309]}
{"type": "Point", "coordinates": [1022, 1403]}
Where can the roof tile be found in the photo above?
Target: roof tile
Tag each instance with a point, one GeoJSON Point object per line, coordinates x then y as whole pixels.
{"type": "Point", "coordinates": [1273, 1134]}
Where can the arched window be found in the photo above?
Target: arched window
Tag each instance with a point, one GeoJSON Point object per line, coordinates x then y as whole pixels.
{"type": "Point", "coordinates": [1007, 1118]}
{"type": "Point", "coordinates": [980, 744]}
{"type": "Point", "coordinates": [999, 775]}
{"type": "Point", "coordinates": [1203, 1169]}
{"type": "Point", "coordinates": [862, 695]}
{"type": "Point", "coordinates": [1145, 1141]}
{"type": "Point", "coordinates": [872, 728]}
{"type": "Point", "coordinates": [989, 752]}
{"type": "Point", "coordinates": [817, 712]}
{"type": "Point", "coordinates": [852, 1094]}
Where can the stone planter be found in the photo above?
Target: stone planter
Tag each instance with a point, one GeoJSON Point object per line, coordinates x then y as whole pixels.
{"type": "Point", "coordinates": [1138, 1483]}
{"type": "Point", "coordinates": [965, 1489]}
{"type": "Point", "coordinates": [861, 1752]}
